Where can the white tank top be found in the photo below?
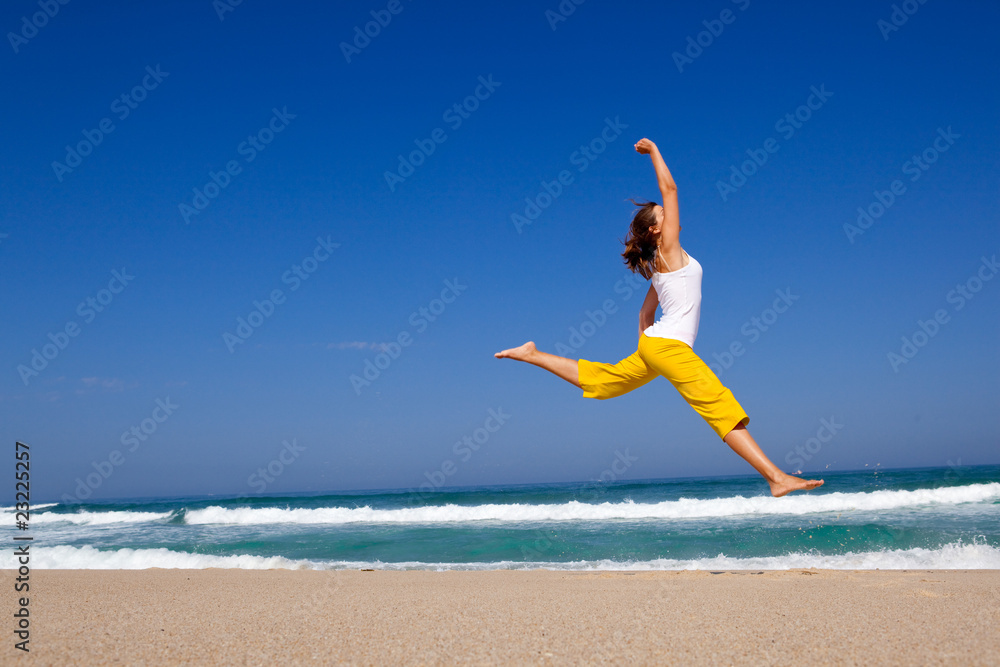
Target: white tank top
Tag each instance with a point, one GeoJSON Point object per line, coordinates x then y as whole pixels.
{"type": "Point", "coordinates": [679, 293]}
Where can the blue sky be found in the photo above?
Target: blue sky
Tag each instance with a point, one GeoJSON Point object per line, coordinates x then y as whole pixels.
{"type": "Point", "coordinates": [260, 107]}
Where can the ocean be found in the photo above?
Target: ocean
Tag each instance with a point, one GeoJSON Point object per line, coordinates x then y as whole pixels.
{"type": "Point", "coordinates": [929, 518]}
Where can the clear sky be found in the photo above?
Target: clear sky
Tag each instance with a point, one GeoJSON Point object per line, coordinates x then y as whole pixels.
{"type": "Point", "coordinates": [167, 167]}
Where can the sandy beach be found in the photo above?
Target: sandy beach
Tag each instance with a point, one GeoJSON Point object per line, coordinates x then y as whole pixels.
{"type": "Point", "coordinates": [248, 617]}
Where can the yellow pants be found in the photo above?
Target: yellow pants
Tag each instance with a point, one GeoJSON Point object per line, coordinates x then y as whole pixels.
{"type": "Point", "coordinates": [677, 362]}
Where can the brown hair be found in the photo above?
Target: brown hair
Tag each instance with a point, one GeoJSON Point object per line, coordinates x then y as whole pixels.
{"type": "Point", "coordinates": [640, 244]}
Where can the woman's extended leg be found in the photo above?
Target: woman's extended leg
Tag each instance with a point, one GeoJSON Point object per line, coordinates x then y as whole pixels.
{"type": "Point", "coordinates": [741, 442]}
{"type": "Point", "coordinates": [597, 379]}
{"type": "Point", "coordinates": [567, 369]}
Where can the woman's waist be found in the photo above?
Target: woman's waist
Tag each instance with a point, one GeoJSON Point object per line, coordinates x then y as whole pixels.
{"type": "Point", "coordinates": [687, 324]}
{"type": "Point", "coordinates": [674, 310]}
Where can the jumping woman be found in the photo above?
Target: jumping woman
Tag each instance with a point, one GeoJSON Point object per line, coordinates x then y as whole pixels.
{"type": "Point", "coordinates": [653, 248]}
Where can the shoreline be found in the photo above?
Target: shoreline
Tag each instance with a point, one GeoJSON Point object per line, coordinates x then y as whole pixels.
{"type": "Point", "coordinates": [233, 616]}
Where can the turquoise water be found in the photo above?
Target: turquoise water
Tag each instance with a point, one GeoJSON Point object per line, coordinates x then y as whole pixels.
{"type": "Point", "coordinates": [903, 519]}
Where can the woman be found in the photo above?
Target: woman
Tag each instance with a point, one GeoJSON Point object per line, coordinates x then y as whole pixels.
{"type": "Point", "coordinates": [653, 249]}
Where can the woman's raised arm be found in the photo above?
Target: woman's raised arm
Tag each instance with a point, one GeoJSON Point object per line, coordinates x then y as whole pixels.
{"type": "Point", "coordinates": [668, 190]}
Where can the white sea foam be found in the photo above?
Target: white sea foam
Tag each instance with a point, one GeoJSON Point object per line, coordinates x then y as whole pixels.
{"type": "Point", "coordinates": [954, 556]}
{"type": "Point", "coordinates": [685, 508]}
{"type": "Point", "coordinates": [33, 507]}
{"type": "Point", "coordinates": [98, 518]}
{"type": "Point", "coordinates": [89, 558]}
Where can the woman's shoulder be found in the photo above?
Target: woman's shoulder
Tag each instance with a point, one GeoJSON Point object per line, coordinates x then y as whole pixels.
{"type": "Point", "coordinates": [685, 261]}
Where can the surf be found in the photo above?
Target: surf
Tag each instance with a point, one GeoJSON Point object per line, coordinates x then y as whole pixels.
{"type": "Point", "coordinates": [954, 555]}
{"type": "Point", "coordinates": [683, 508]}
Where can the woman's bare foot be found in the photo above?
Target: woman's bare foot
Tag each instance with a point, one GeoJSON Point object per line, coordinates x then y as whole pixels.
{"type": "Point", "coordinates": [521, 353]}
{"type": "Point", "coordinates": [787, 484]}
{"type": "Point", "coordinates": [567, 369]}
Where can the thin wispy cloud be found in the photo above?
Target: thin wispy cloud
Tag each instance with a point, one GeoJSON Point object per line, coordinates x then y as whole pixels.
{"type": "Point", "coordinates": [355, 345]}
{"type": "Point", "coordinates": [95, 384]}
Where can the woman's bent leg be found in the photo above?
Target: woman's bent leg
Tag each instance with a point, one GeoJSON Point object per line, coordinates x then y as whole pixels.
{"type": "Point", "coordinates": [716, 404]}
{"type": "Point", "coordinates": [695, 381]}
